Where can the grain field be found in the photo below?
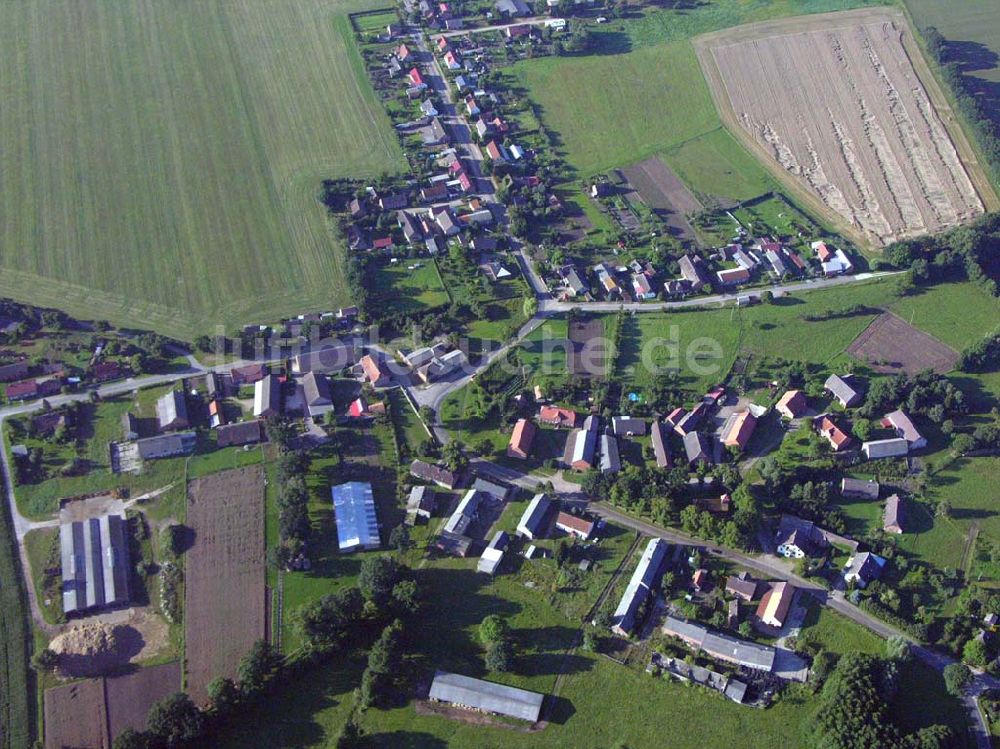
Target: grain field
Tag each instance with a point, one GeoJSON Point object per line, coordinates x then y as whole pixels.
{"type": "Point", "coordinates": [835, 100]}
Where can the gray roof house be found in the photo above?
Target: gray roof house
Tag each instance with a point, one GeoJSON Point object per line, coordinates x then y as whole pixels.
{"type": "Point", "coordinates": [610, 462]}
{"type": "Point", "coordinates": [171, 411]}
{"type": "Point", "coordinates": [863, 568]}
{"type": "Point", "coordinates": [859, 488]}
{"type": "Point", "coordinates": [661, 448]}
{"type": "Point", "coordinates": [697, 448]}
{"type": "Point", "coordinates": [420, 504]}
{"type": "Point", "coordinates": [486, 696]}
{"type": "Point", "coordinates": [644, 579]}
{"type": "Point", "coordinates": [491, 487]}
{"type": "Point", "coordinates": [532, 523]}
{"type": "Point", "coordinates": [267, 397]}
{"type": "Point", "coordinates": [693, 271]}
{"type": "Point", "coordinates": [626, 426]}
{"type": "Point", "coordinates": [895, 447]}
{"type": "Point", "coordinates": [466, 512]}
{"type": "Point", "coordinates": [840, 389]}
{"type": "Point", "coordinates": [893, 519]}
{"type": "Point", "coordinates": [492, 556]}
{"type": "Point", "coordinates": [316, 388]}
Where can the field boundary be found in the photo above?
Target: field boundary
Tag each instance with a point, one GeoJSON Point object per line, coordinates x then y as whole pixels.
{"type": "Point", "coordinates": [704, 44]}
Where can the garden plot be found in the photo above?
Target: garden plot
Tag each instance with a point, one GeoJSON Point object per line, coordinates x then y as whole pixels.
{"type": "Point", "coordinates": [836, 101]}
{"type": "Point", "coordinates": [225, 591]}
{"type": "Point", "coordinates": [665, 194]}
{"type": "Point", "coordinates": [891, 345]}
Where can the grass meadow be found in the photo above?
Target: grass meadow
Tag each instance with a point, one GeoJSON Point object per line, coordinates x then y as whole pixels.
{"type": "Point", "coordinates": [160, 164]}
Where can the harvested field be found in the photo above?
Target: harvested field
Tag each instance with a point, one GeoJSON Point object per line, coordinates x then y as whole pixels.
{"type": "Point", "coordinates": [892, 345]}
{"type": "Point", "coordinates": [76, 716]}
{"type": "Point", "coordinates": [90, 714]}
{"type": "Point", "coordinates": [224, 602]}
{"type": "Point", "coordinates": [129, 697]}
{"type": "Point", "coordinates": [665, 194]}
{"type": "Point", "coordinates": [588, 354]}
{"type": "Point", "coordinates": [835, 100]}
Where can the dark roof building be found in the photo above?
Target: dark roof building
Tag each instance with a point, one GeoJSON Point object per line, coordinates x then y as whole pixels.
{"type": "Point", "coordinates": [646, 577]}
{"type": "Point", "coordinates": [171, 411]}
{"type": "Point", "coordinates": [316, 388]}
{"type": "Point", "coordinates": [433, 473]}
{"type": "Point", "coordinates": [241, 433]}
{"type": "Point", "coordinates": [697, 448]}
{"type": "Point", "coordinates": [95, 563]}
{"type": "Point", "coordinates": [661, 448]}
{"type": "Point", "coordinates": [626, 426]}
{"type": "Point", "coordinates": [859, 488]}
{"type": "Point", "coordinates": [166, 445]}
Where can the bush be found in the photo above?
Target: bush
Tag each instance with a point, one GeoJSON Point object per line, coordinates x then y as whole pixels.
{"type": "Point", "coordinates": [493, 629]}
{"type": "Point", "coordinates": [956, 677]}
{"type": "Point", "coordinates": [500, 656]}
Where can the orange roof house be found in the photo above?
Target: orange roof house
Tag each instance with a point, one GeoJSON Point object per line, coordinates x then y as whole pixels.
{"type": "Point", "coordinates": [521, 439]}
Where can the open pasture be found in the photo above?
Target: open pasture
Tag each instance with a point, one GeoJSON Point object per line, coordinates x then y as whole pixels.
{"type": "Point", "coordinates": [160, 163]}
{"type": "Point", "coordinates": [891, 345]}
{"type": "Point", "coordinates": [836, 103]}
{"type": "Point", "coordinates": [224, 602]}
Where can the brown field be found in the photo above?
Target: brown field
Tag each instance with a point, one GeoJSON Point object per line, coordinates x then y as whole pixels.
{"type": "Point", "coordinates": [129, 697]}
{"type": "Point", "coordinates": [76, 716]}
{"type": "Point", "coordinates": [665, 194]}
{"type": "Point", "coordinates": [224, 602]}
{"type": "Point", "coordinates": [587, 356]}
{"type": "Point", "coordinates": [891, 345]}
{"type": "Point", "coordinates": [835, 102]}
{"type": "Point", "coordinates": [90, 714]}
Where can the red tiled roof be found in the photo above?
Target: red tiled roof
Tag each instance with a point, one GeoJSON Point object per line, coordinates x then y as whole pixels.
{"type": "Point", "coordinates": [557, 416]}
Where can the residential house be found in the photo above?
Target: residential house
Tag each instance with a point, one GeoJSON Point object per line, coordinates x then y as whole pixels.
{"type": "Point", "coordinates": [738, 430]}
{"type": "Point", "coordinates": [267, 397]}
{"type": "Point", "coordinates": [403, 53]}
{"type": "Point", "coordinates": [574, 525]}
{"type": "Point", "coordinates": [442, 366]}
{"type": "Point", "coordinates": [863, 568]}
{"type": "Point", "coordinates": [742, 586]}
{"type": "Point", "coordinates": [560, 418]}
{"type": "Point", "coordinates": [626, 426]}
{"type": "Point", "coordinates": [581, 445]}
{"type": "Point", "coordinates": [775, 260]}
{"type": "Point", "coordinates": [644, 580]}
{"type": "Point", "coordinates": [358, 408]}
{"type": "Point", "coordinates": [641, 287]}
{"type": "Point", "coordinates": [842, 390]}
{"type": "Point", "coordinates": [376, 371]}
{"type": "Point", "coordinates": [421, 356]}
{"type": "Point", "coordinates": [512, 8]}
{"type": "Point", "coordinates": [690, 421]}
{"type": "Point", "coordinates": [496, 490]}
{"type": "Point", "coordinates": [216, 416]}
{"type": "Point", "coordinates": [171, 411]}
{"type": "Point", "coordinates": [859, 488]}
{"type": "Point", "coordinates": [452, 61]}
{"type": "Point", "coordinates": [411, 229]}
{"type": "Point", "coordinates": [428, 109]}
{"type": "Point", "coordinates": [421, 504]}
{"type": "Point", "coordinates": [895, 447]}
{"type": "Point", "coordinates": [893, 520]}
{"type": "Point", "coordinates": [465, 514]}
{"type": "Point", "coordinates": [521, 439]}
{"type": "Point", "coordinates": [434, 192]}
{"type": "Point", "coordinates": [904, 428]}
{"type": "Point", "coordinates": [699, 580]}
{"type": "Point", "coordinates": [827, 428]}
{"type": "Point", "coordinates": [316, 388]}
{"type": "Point", "coordinates": [417, 79]}
{"type": "Point", "coordinates": [533, 525]}
{"type": "Point", "coordinates": [609, 461]}
{"type": "Point", "coordinates": [732, 276]}
{"type": "Point", "coordinates": [833, 261]}
{"type": "Point", "coordinates": [106, 370]}
{"type": "Point", "coordinates": [693, 271]}
{"type": "Point", "coordinates": [434, 474]}
{"type": "Point", "coordinates": [674, 417]}
{"type": "Point", "coordinates": [718, 505]}
{"type": "Point", "coordinates": [393, 201]}
{"type": "Point", "coordinates": [24, 390]}
{"type": "Point", "coordinates": [792, 404]}
{"type": "Point", "coordinates": [382, 243]}
{"type": "Point", "coordinates": [14, 371]}
{"type": "Point", "coordinates": [697, 448]}
{"type": "Point", "coordinates": [660, 447]}
{"type": "Point", "coordinates": [325, 360]}
{"type": "Point", "coordinates": [446, 222]}
{"type": "Point", "coordinates": [774, 606]}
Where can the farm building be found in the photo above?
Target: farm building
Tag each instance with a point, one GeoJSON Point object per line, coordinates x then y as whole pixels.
{"type": "Point", "coordinates": [267, 397]}
{"type": "Point", "coordinates": [644, 579]}
{"type": "Point", "coordinates": [420, 504]}
{"type": "Point", "coordinates": [738, 430]}
{"type": "Point", "coordinates": [325, 360]}
{"type": "Point", "coordinates": [95, 563]}
{"type": "Point", "coordinates": [688, 422]}
{"type": "Point", "coordinates": [532, 525]}
{"type": "Point", "coordinates": [486, 696]}
{"type": "Point", "coordinates": [171, 411]}
{"type": "Point", "coordinates": [248, 374]}
{"type": "Point", "coordinates": [582, 445]}
{"type": "Point", "coordinates": [354, 511]}
{"type": "Point", "coordinates": [626, 426]}
{"type": "Point", "coordinates": [465, 514]}
{"type": "Point", "coordinates": [442, 366]}
{"type": "Point", "coordinates": [557, 417]}
{"type": "Point", "coordinates": [660, 447]}
{"type": "Point", "coordinates": [792, 404]}
{"type": "Point", "coordinates": [842, 390]}
{"type": "Point", "coordinates": [895, 447]}
{"type": "Point", "coordinates": [859, 488]}
{"type": "Point", "coordinates": [893, 518]}
{"type": "Point", "coordinates": [316, 388]}
{"type": "Point", "coordinates": [241, 433]}
{"type": "Point", "coordinates": [905, 429]}
{"type": "Point", "coordinates": [696, 448]}
{"type": "Point", "coordinates": [521, 439]}
{"type": "Point", "coordinates": [775, 604]}
{"type": "Point", "coordinates": [421, 356]}
{"type": "Point", "coordinates": [376, 372]}
{"type": "Point", "coordinates": [732, 276]}
{"type": "Point", "coordinates": [166, 445]}
{"type": "Point", "coordinates": [742, 586]}
{"type": "Point", "coordinates": [693, 271]}
{"type": "Point", "coordinates": [492, 556]}
{"type": "Point", "coordinates": [724, 648]}
{"type": "Point", "coordinates": [610, 462]}
{"type": "Point", "coordinates": [434, 474]}
{"type": "Point", "coordinates": [575, 525]}
{"type": "Point", "coordinates": [14, 371]}
{"type": "Point", "coordinates": [498, 491]}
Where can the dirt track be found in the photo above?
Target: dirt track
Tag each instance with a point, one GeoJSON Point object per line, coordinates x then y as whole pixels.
{"type": "Point", "coordinates": [835, 100]}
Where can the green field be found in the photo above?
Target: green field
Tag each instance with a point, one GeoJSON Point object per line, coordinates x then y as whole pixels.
{"type": "Point", "coordinates": [715, 164]}
{"type": "Point", "coordinates": [17, 681]}
{"type": "Point", "coordinates": [957, 314]}
{"type": "Point", "coordinates": [400, 289]}
{"type": "Point", "coordinates": [160, 164]}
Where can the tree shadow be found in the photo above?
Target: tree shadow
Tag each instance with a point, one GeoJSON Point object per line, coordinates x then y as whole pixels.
{"type": "Point", "coordinates": [406, 740]}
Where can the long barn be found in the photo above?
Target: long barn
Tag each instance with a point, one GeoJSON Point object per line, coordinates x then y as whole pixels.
{"type": "Point", "coordinates": [95, 566]}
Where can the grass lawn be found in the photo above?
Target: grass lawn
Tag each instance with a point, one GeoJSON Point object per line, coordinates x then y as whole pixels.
{"type": "Point", "coordinates": [958, 314]}
{"type": "Point", "coordinates": [543, 353]}
{"type": "Point", "coordinates": [403, 290]}
{"type": "Point", "coordinates": [39, 544]}
{"type": "Point", "coordinates": [411, 429]}
{"type": "Point", "coordinates": [161, 164]}
{"type": "Point", "coordinates": [716, 164]}
{"type": "Point", "coordinates": [839, 635]}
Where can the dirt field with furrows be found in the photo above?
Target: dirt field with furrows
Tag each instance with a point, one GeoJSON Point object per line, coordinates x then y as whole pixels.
{"type": "Point", "coordinates": [129, 697]}
{"type": "Point", "coordinates": [836, 101]}
{"type": "Point", "coordinates": [588, 355]}
{"type": "Point", "coordinates": [224, 602]}
{"type": "Point", "coordinates": [891, 345]}
{"type": "Point", "coordinates": [665, 194]}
